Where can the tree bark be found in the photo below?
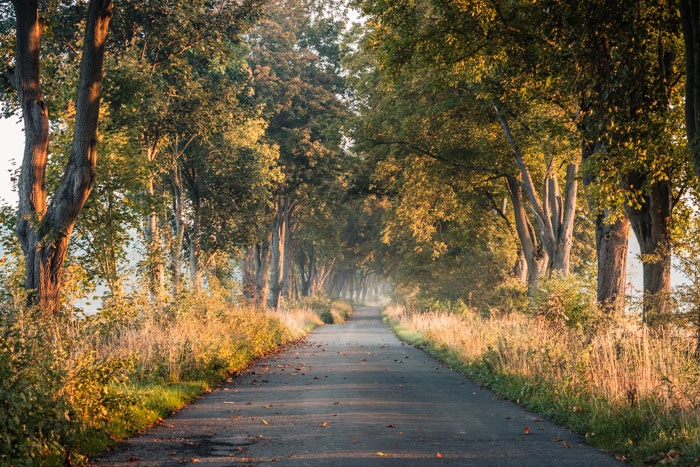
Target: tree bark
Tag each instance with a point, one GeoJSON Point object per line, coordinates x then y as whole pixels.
{"type": "Point", "coordinates": [179, 230]}
{"type": "Point", "coordinates": [262, 271]}
{"type": "Point", "coordinates": [44, 232]}
{"type": "Point", "coordinates": [651, 224]}
{"type": "Point", "coordinates": [536, 257]}
{"type": "Point", "coordinates": [278, 253]}
{"type": "Point", "coordinates": [690, 18]}
{"type": "Point", "coordinates": [612, 240]}
{"type": "Point", "coordinates": [248, 274]}
{"type": "Point", "coordinates": [554, 215]}
{"type": "Point", "coordinates": [151, 231]}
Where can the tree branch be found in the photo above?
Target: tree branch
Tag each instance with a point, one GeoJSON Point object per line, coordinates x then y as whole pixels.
{"type": "Point", "coordinates": [437, 157]}
{"type": "Point", "coordinates": [11, 78]}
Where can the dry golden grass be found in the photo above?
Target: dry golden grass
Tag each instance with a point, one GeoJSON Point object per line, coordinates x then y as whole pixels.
{"type": "Point", "coordinates": [621, 363]}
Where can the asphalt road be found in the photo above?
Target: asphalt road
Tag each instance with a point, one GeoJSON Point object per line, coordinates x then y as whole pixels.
{"type": "Point", "coordinates": [354, 395]}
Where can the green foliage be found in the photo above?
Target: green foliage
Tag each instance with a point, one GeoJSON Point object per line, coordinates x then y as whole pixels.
{"type": "Point", "coordinates": [330, 311]}
{"type": "Point", "coordinates": [34, 417]}
{"type": "Point", "coordinates": [567, 301]}
{"type": "Point", "coordinates": [68, 389]}
{"type": "Point", "coordinates": [511, 296]}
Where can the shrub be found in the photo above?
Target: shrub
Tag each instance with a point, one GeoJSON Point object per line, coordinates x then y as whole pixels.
{"type": "Point", "coordinates": [34, 417]}
{"type": "Point", "coordinates": [567, 301]}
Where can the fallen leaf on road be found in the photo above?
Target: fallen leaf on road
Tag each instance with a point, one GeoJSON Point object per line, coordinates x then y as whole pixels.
{"type": "Point", "coordinates": [438, 455]}
{"type": "Point", "coordinates": [264, 422]}
{"type": "Point", "coordinates": [391, 425]}
{"type": "Point", "coordinates": [336, 403]}
{"type": "Point", "coordinates": [324, 424]}
{"type": "Point", "coordinates": [381, 454]}
{"type": "Point", "coordinates": [526, 430]}
{"type": "Point", "coordinates": [538, 420]}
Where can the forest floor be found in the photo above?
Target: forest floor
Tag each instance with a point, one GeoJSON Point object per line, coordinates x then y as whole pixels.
{"type": "Point", "coordinates": [354, 394]}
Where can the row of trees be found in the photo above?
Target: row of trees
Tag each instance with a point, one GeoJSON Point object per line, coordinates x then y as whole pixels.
{"type": "Point", "coordinates": [269, 142]}
{"type": "Point", "coordinates": [220, 138]}
{"type": "Point", "coordinates": [476, 111]}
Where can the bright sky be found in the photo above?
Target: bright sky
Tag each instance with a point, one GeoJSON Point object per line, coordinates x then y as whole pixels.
{"type": "Point", "coordinates": [11, 149]}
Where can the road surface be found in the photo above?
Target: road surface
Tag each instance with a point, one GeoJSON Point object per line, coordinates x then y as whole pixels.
{"type": "Point", "coordinates": [354, 395]}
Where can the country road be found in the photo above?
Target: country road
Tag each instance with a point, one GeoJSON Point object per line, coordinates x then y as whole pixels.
{"type": "Point", "coordinates": [354, 395]}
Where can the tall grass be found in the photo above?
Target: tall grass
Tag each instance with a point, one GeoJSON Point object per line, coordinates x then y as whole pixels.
{"type": "Point", "coordinates": [70, 388]}
{"type": "Point", "coordinates": [628, 388]}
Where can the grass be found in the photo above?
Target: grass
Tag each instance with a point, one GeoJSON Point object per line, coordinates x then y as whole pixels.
{"type": "Point", "coordinates": [628, 389]}
{"type": "Point", "coordinates": [80, 386]}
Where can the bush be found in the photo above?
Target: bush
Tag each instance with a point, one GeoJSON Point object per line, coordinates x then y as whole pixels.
{"type": "Point", "coordinates": [329, 311]}
{"type": "Point", "coordinates": [567, 301]}
{"type": "Point", "coordinates": [35, 418]}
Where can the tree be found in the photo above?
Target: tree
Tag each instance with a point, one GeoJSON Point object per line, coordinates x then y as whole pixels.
{"type": "Point", "coordinates": [295, 63]}
{"type": "Point", "coordinates": [43, 228]}
{"type": "Point", "coordinates": [477, 81]}
{"type": "Point", "coordinates": [179, 83]}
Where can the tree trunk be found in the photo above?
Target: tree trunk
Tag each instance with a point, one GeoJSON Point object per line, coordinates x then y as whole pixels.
{"type": "Point", "coordinates": [262, 271]}
{"type": "Point", "coordinates": [248, 274]}
{"type": "Point", "coordinates": [535, 255]}
{"type": "Point", "coordinates": [44, 232]}
{"type": "Point", "coordinates": [651, 224]}
{"type": "Point", "coordinates": [277, 253]}
{"type": "Point", "coordinates": [195, 250]}
{"type": "Point", "coordinates": [611, 249]}
{"type": "Point", "coordinates": [563, 216]}
{"type": "Point", "coordinates": [612, 239]}
{"type": "Point", "coordinates": [520, 268]}
{"type": "Point", "coordinates": [554, 215]}
{"type": "Point", "coordinates": [179, 230]}
{"type": "Point", "coordinates": [690, 18]}
{"type": "Point", "coordinates": [151, 228]}
{"type": "Point", "coordinates": [306, 262]}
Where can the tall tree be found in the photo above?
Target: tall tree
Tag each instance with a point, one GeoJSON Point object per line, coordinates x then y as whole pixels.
{"type": "Point", "coordinates": [295, 62]}
{"type": "Point", "coordinates": [43, 228]}
{"type": "Point", "coordinates": [179, 80]}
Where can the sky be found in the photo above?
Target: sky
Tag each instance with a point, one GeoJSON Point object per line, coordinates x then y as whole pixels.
{"type": "Point", "coordinates": [11, 149]}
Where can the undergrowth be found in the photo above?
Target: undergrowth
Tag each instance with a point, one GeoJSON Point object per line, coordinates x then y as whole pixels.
{"type": "Point", "coordinates": [628, 389]}
{"type": "Point", "coordinates": [71, 388]}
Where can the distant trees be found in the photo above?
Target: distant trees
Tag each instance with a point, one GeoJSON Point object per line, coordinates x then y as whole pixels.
{"type": "Point", "coordinates": [295, 62]}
